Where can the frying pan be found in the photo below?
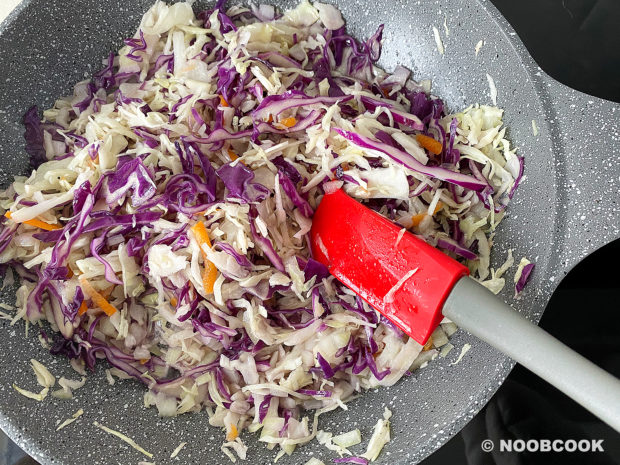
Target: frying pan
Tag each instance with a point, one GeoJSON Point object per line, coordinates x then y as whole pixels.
{"type": "Point", "coordinates": [567, 207]}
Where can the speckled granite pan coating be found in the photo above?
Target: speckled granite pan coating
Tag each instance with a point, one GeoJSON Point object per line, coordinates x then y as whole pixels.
{"type": "Point", "coordinates": [567, 207]}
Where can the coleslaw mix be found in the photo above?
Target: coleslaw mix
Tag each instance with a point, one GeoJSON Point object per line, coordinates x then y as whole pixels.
{"type": "Point", "coordinates": [165, 225]}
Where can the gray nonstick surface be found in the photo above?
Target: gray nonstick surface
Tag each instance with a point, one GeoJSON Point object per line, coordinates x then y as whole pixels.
{"type": "Point", "coordinates": [566, 208]}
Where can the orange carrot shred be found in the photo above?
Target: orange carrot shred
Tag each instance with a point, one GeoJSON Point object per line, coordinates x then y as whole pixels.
{"type": "Point", "coordinates": [210, 274]}
{"type": "Point", "coordinates": [43, 225]}
{"type": "Point", "coordinates": [232, 433]}
{"type": "Point", "coordinates": [174, 301]}
{"type": "Point", "coordinates": [289, 122]}
{"type": "Point", "coordinates": [417, 219]}
{"type": "Point", "coordinates": [97, 298]}
{"type": "Point", "coordinates": [83, 308]}
{"type": "Point", "coordinates": [438, 207]}
{"type": "Point", "coordinates": [233, 156]}
{"type": "Point", "coordinates": [37, 223]}
{"type": "Point", "coordinates": [202, 235]}
{"type": "Point", "coordinates": [223, 101]}
{"type": "Point", "coordinates": [429, 144]}
{"type": "Point", "coordinates": [428, 345]}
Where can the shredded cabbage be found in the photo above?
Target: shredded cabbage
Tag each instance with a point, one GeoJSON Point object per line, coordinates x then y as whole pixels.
{"type": "Point", "coordinates": [464, 350]}
{"type": "Point", "coordinates": [492, 89]}
{"type": "Point", "coordinates": [68, 386]}
{"type": "Point", "coordinates": [176, 451]}
{"type": "Point", "coordinates": [32, 395]}
{"type": "Point", "coordinates": [124, 438]}
{"type": "Point", "coordinates": [438, 41]}
{"type": "Point", "coordinates": [348, 439]}
{"type": "Point", "coordinates": [522, 275]}
{"type": "Point", "coordinates": [68, 421]}
{"type": "Point", "coordinates": [478, 47]}
{"type": "Point", "coordinates": [44, 377]}
{"type": "Point", "coordinates": [314, 461]}
{"type": "Point", "coordinates": [380, 437]}
{"type": "Point", "coordinates": [325, 438]}
{"type": "Point", "coordinates": [164, 226]}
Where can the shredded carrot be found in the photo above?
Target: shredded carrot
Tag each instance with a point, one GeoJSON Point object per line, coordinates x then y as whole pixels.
{"type": "Point", "coordinates": [202, 235]}
{"type": "Point", "coordinates": [428, 345]}
{"type": "Point", "coordinates": [344, 166]}
{"type": "Point", "coordinates": [69, 272]}
{"type": "Point", "coordinates": [43, 225]}
{"type": "Point", "coordinates": [289, 122]}
{"type": "Point", "coordinates": [174, 301]}
{"type": "Point", "coordinates": [417, 219]}
{"type": "Point", "coordinates": [429, 144]}
{"type": "Point", "coordinates": [438, 207]}
{"type": "Point", "coordinates": [233, 156]}
{"type": "Point", "coordinates": [83, 308]}
{"type": "Point", "coordinates": [37, 223]}
{"type": "Point", "coordinates": [223, 101]}
{"type": "Point", "coordinates": [232, 433]}
{"type": "Point", "coordinates": [93, 161]}
{"type": "Point", "coordinates": [270, 119]}
{"type": "Point", "coordinates": [144, 360]}
{"type": "Point", "coordinates": [210, 274]}
{"type": "Point", "coordinates": [97, 298]}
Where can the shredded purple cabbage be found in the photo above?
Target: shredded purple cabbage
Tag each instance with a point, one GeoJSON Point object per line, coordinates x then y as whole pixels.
{"type": "Point", "coordinates": [524, 278]}
{"type": "Point", "coordinates": [352, 459]}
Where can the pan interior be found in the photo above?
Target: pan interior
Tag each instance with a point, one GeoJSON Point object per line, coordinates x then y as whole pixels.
{"type": "Point", "coordinates": [51, 44]}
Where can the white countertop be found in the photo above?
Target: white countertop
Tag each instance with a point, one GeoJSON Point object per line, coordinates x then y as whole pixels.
{"type": "Point", "coordinates": [6, 6]}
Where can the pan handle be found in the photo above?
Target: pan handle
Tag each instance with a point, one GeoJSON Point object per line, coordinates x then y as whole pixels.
{"type": "Point", "coordinates": [586, 137]}
{"type": "Point", "coordinates": [477, 310]}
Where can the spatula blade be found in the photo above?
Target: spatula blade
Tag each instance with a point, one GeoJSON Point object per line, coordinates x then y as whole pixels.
{"type": "Point", "coordinates": [399, 274]}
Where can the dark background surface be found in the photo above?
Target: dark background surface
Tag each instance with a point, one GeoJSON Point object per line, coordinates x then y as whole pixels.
{"type": "Point", "coordinates": [577, 42]}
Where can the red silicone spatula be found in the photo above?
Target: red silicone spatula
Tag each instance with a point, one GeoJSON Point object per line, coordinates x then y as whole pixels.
{"type": "Point", "coordinates": [415, 285]}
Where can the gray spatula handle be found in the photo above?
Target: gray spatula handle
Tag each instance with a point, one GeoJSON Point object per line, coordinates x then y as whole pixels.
{"type": "Point", "coordinates": [475, 309]}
